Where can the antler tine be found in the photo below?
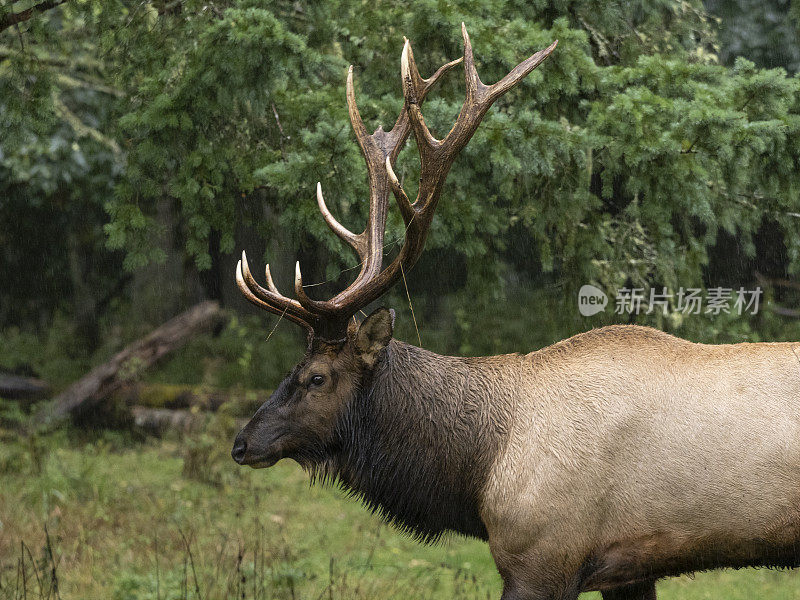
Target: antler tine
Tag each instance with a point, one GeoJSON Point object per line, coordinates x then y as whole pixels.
{"type": "Point", "coordinates": [480, 97]}
{"type": "Point", "coordinates": [408, 56]}
{"type": "Point", "coordinates": [410, 77]}
{"type": "Point", "coordinates": [270, 299]}
{"type": "Point", "coordinates": [347, 236]}
{"type": "Point", "coordinates": [431, 81]}
{"type": "Point", "coordinates": [411, 82]}
{"type": "Point", "coordinates": [270, 283]}
{"type": "Point", "coordinates": [406, 209]}
{"type": "Point", "coordinates": [474, 83]}
{"type": "Point", "coordinates": [256, 295]}
{"type": "Point", "coordinates": [305, 301]}
{"type": "Point", "coordinates": [519, 73]}
{"type": "Point", "coordinates": [362, 136]}
{"type": "Point", "coordinates": [422, 86]}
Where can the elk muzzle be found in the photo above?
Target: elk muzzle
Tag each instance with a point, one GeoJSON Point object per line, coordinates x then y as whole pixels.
{"type": "Point", "coordinates": [257, 449]}
{"type": "Point", "coordinates": [239, 450]}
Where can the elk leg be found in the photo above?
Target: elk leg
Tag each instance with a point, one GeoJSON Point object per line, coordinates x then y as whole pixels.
{"type": "Point", "coordinates": [513, 592]}
{"type": "Point", "coordinates": [535, 588]}
{"type": "Point", "coordinates": [645, 590]}
{"type": "Point", "coordinates": [535, 573]}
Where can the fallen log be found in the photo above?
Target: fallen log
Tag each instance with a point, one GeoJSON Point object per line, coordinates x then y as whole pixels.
{"type": "Point", "coordinates": [105, 379]}
{"type": "Point", "coordinates": [240, 402]}
{"type": "Point", "coordinates": [158, 421]}
{"type": "Point", "coordinates": [14, 387]}
{"type": "Point", "coordinates": [768, 282]}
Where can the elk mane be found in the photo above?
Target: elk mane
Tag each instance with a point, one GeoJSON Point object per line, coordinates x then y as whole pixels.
{"type": "Point", "coordinates": [412, 448]}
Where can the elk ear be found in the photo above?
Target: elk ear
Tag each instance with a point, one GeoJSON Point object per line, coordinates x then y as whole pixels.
{"type": "Point", "coordinates": [374, 334]}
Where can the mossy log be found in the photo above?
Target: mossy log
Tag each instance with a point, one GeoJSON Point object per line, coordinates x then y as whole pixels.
{"type": "Point", "coordinates": [239, 402]}
{"type": "Point", "coordinates": [158, 421]}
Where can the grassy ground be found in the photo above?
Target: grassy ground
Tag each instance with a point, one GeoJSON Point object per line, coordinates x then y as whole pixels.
{"type": "Point", "coordinates": [112, 518]}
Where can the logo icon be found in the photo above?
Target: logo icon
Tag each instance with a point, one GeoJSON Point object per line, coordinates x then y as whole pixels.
{"type": "Point", "coordinates": [591, 300]}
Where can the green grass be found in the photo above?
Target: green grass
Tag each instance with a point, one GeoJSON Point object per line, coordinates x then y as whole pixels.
{"type": "Point", "coordinates": [144, 520]}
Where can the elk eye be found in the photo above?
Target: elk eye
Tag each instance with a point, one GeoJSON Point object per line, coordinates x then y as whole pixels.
{"type": "Point", "coordinates": [317, 380]}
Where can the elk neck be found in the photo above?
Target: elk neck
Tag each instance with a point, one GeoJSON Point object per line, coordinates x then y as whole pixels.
{"type": "Point", "coordinates": [419, 441]}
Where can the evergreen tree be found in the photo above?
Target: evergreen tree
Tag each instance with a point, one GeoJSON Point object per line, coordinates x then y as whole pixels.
{"type": "Point", "coordinates": [624, 160]}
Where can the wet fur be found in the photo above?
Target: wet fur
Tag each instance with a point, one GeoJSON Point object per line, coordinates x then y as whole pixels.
{"type": "Point", "coordinates": [416, 445]}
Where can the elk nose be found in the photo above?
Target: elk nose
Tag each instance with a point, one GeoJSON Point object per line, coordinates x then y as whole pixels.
{"type": "Point", "coordinates": [239, 450]}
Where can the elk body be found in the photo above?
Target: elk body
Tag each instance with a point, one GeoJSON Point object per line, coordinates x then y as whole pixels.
{"type": "Point", "coordinates": [603, 462]}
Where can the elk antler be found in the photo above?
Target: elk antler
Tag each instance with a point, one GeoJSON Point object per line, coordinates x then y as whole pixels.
{"type": "Point", "coordinates": [329, 318]}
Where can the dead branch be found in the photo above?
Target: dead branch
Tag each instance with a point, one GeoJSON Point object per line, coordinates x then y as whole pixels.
{"type": "Point", "coordinates": [12, 19]}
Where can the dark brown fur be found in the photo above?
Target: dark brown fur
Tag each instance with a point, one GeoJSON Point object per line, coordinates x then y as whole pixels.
{"type": "Point", "coordinates": [637, 591]}
{"type": "Point", "coordinates": [417, 442]}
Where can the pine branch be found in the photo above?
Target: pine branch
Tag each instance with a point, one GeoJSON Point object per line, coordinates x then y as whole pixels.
{"type": "Point", "coordinates": [83, 62]}
{"type": "Point", "coordinates": [82, 129]}
{"type": "Point", "coordinates": [12, 19]}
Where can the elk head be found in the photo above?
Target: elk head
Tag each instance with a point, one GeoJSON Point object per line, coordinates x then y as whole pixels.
{"type": "Point", "coordinates": [299, 418]}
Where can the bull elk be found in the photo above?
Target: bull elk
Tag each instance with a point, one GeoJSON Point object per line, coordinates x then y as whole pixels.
{"type": "Point", "coordinates": [604, 462]}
